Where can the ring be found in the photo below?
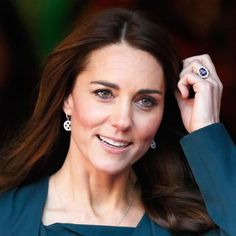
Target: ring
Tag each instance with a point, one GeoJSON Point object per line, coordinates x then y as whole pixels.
{"type": "Point", "coordinates": [203, 72]}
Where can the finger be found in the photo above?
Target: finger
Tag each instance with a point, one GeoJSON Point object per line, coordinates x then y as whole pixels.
{"type": "Point", "coordinates": [194, 66]}
{"type": "Point", "coordinates": [216, 83]}
{"type": "Point", "coordinates": [186, 81]}
{"type": "Point", "coordinates": [179, 98]}
{"type": "Point", "coordinates": [206, 61]}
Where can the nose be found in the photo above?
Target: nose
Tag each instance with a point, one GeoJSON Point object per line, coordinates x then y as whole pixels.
{"type": "Point", "coordinates": [121, 117]}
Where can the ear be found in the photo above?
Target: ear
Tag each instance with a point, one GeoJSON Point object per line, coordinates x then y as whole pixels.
{"type": "Point", "coordinates": [68, 105]}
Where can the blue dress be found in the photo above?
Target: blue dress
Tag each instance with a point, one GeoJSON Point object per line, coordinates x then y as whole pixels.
{"type": "Point", "coordinates": [212, 157]}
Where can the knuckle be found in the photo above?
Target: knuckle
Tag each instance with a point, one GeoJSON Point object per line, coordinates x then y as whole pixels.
{"type": "Point", "coordinates": [207, 86]}
{"type": "Point", "coordinates": [221, 86]}
{"type": "Point", "coordinates": [214, 83]}
{"type": "Point", "coordinates": [207, 56]}
{"type": "Point", "coordinates": [196, 63]}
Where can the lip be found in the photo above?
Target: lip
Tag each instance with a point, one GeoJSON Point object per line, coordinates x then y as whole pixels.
{"type": "Point", "coordinates": [114, 145]}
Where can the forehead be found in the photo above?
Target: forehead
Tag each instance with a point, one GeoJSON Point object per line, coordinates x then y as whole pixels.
{"type": "Point", "coordinates": [122, 55]}
{"type": "Point", "coordinates": [121, 63]}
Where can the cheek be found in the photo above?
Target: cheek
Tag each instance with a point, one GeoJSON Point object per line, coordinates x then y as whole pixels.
{"type": "Point", "coordinates": [87, 114]}
{"type": "Point", "coordinates": [150, 130]}
{"type": "Point", "coordinates": [149, 127]}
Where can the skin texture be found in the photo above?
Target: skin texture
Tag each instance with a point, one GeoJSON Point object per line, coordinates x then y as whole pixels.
{"type": "Point", "coordinates": [118, 98]}
{"type": "Point", "coordinates": [113, 100]}
{"type": "Point", "coordinates": [118, 113]}
{"type": "Point", "coordinates": [204, 108]}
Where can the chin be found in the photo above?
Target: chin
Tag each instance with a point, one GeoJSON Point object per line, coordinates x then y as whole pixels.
{"type": "Point", "coordinates": [113, 169]}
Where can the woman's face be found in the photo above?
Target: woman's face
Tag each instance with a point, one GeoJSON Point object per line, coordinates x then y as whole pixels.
{"type": "Point", "coordinates": [116, 107]}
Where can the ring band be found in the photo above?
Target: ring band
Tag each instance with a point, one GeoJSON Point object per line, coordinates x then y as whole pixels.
{"type": "Point", "coordinates": [203, 72]}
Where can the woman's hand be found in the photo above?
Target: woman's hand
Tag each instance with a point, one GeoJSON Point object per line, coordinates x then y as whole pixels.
{"type": "Point", "coordinates": [204, 108]}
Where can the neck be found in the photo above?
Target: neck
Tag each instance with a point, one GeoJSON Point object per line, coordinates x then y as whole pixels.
{"type": "Point", "coordinates": [95, 187]}
{"type": "Point", "coordinates": [95, 193]}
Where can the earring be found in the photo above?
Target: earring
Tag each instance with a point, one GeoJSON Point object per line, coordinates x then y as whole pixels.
{"type": "Point", "coordinates": [67, 123]}
{"type": "Point", "coordinates": [153, 144]}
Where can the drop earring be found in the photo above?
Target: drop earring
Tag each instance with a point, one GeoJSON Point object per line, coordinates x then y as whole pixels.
{"type": "Point", "coordinates": [153, 144]}
{"type": "Point", "coordinates": [67, 123]}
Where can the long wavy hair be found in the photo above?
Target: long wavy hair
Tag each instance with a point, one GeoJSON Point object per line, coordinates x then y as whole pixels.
{"type": "Point", "coordinates": [169, 192]}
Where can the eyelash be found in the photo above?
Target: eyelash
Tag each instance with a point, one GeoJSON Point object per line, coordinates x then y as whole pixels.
{"type": "Point", "coordinates": [99, 92]}
{"type": "Point", "coordinates": [106, 94]}
{"type": "Point", "coordinates": [151, 102]}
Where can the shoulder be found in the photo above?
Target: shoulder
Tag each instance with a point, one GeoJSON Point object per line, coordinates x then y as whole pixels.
{"type": "Point", "coordinates": [20, 204]}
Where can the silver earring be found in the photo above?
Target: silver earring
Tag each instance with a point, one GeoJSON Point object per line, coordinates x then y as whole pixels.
{"type": "Point", "coordinates": [67, 123]}
{"type": "Point", "coordinates": [153, 144]}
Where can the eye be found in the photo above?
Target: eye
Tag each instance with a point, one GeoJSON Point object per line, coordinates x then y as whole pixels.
{"type": "Point", "coordinates": [103, 93]}
{"type": "Point", "coordinates": [146, 102]}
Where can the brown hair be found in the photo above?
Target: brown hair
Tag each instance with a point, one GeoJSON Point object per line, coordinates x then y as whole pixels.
{"type": "Point", "coordinates": [169, 192]}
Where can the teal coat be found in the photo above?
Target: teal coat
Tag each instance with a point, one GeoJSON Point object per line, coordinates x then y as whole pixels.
{"type": "Point", "coordinates": [212, 158]}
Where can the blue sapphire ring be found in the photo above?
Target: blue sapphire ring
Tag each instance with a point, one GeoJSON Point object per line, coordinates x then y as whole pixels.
{"type": "Point", "coordinates": [203, 72]}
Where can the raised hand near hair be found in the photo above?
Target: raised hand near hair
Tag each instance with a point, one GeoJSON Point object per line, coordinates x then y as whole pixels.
{"type": "Point", "coordinates": [204, 108]}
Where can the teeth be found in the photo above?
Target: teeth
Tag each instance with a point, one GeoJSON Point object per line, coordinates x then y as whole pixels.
{"type": "Point", "coordinates": [112, 142]}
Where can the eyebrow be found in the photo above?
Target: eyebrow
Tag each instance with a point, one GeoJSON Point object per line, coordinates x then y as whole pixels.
{"type": "Point", "coordinates": [147, 91]}
{"type": "Point", "coordinates": [115, 86]}
{"type": "Point", "coordinates": [105, 83]}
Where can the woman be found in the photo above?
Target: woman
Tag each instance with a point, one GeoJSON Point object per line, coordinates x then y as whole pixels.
{"type": "Point", "coordinates": [111, 83]}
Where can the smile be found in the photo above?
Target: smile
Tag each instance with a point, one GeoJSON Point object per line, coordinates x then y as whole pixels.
{"type": "Point", "coordinates": [113, 143]}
